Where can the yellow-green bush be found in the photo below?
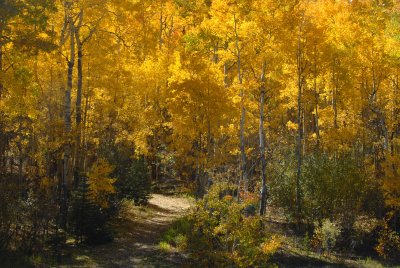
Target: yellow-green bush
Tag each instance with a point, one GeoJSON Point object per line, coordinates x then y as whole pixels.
{"type": "Point", "coordinates": [223, 236]}
{"type": "Point", "coordinates": [325, 235]}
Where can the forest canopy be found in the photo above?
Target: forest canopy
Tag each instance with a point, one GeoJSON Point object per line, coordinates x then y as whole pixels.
{"type": "Point", "coordinates": [289, 104]}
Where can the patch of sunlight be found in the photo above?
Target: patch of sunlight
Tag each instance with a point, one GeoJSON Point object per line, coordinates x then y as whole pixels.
{"type": "Point", "coordinates": [82, 258]}
{"type": "Point", "coordinates": [85, 259]}
{"type": "Point", "coordinates": [164, 246]}
{"type": "Point", "coordinates": [70, 240]}
{"type": "Point", "coordinates": [369, 263]}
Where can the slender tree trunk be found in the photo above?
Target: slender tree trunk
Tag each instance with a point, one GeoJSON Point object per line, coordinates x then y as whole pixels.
{"type": "Point", "coordinates": [304, 130]}
{"type": "Point", "coordinates": [78, 107]}
{"type": "Point", "coordinates": [210, 150]}
{"type": "Point", "coordinates": [20, 167]}
{"type": "Point", "coordinates": [225, 75]}
{"type": "Point", "coordinates": [316, 96]}
{"type": "Point", "coordinates": [85, 120]}
{"type": "Point", "coordinates": [243, 115]}
{"type": "Point", "coordinates": [334, 98]}
{"type": "Point", "coordinates": [299, 156]}
{"type": "Point", "coordinates": [209, 136]}
{"type": "Point", "coordinates": [67, 122]}
{"type": "Point", "coordinates": [79, 90]}
{"type": "Point", "coordinates": [2, 136]}
{"type": "Point", "coordinates": [198, 176]}
{"type": "Point", "coordinates": [160, 34]}
{"type": "Point", "coordinates": [263, 198]}
{"type": "Point", "coordinates": [1, 65]}
{"type": "Point", "coordinates": [395, 112]}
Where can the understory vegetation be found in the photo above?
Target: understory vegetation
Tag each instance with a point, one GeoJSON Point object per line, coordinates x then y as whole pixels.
{"type": "Point", "coordinates": [220, 232]}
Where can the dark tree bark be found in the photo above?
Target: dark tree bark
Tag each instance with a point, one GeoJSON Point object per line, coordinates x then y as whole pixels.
{"type": "Point", "coordinates": [78, 104]}
{"type": "Point", "coordinates": [2, 136]}
{"type": "Point", "coordinates": [316, 95]}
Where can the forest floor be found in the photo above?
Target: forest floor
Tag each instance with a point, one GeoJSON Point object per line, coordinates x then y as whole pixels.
{"type": "Point", "coordinates": [138, 231]}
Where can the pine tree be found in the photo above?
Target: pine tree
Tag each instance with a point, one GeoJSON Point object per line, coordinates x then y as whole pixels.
{"type": "Point", "coordinates": [88, 220]}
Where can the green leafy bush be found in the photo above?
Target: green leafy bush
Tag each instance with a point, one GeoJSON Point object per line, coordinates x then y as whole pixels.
{"type": "Point", "coordinates": [176, 234]}
{"type": "Point", "coordinates": [325, 235]}
{"type": "Point", "coordinates": [333, 187]}
{"type": "Point", "coordinates": [130, 171]}
{"type": "Point", "coordinates": [223, 236]}
{"type": "Point", "coordinates": [133, 181]}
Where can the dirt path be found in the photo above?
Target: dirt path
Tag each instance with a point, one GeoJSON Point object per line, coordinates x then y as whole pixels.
{"type": "Point", "coordinates": [138, 232]}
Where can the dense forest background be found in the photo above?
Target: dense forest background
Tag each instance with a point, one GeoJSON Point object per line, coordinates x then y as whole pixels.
{"type": "Point", "coordinates": [255, 105]}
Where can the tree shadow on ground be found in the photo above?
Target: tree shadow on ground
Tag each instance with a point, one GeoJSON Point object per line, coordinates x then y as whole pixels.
{"type": "Point", "coordinates": [14, 259]}
{"type": "Point", "coordinates": [291, 259]}
{"type": "Point", "coordinates": [135, 244]}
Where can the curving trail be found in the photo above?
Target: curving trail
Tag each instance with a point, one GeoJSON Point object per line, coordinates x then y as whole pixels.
{"type": "Point", "coordinates": [138, 232]}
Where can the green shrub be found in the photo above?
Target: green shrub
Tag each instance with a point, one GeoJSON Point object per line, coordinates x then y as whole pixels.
{"type": "Point", "coordinates": [333, 188]}
{"type": "Point", "coordinates": [164, 246]}
{"type": "Point", "coordinates": [174, 235]}
{"type": "Point", "coordinates": [88, 219]}
{"type": "Point", "coordinates": [219, 232]}
{"type": "Point", "coordinates": [325, 235]}
{"type": "Point", "coordinates": [223, 236]}
{"type": "Point", "coordinates": [131, 171]}
{"type": "Point", "coordinates": [133, 182]}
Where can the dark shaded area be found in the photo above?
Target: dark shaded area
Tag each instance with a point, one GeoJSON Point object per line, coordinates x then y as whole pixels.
{"type": "Point", "coordinates": [133, 178]}
{"type": "Point", "coordinates": [291, 259]}
{"type": "Point", "coordinates": [14, 260]}
{"type": "Point", "coordinates": [135, 243]}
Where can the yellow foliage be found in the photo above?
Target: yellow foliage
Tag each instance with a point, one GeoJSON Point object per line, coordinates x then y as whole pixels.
{"type": "Point", "coordinates": [271, 245]}
{"type": "Point", "coordinates": [100, 184]}
{"type": "Point", "coordinates": [291, 125]}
